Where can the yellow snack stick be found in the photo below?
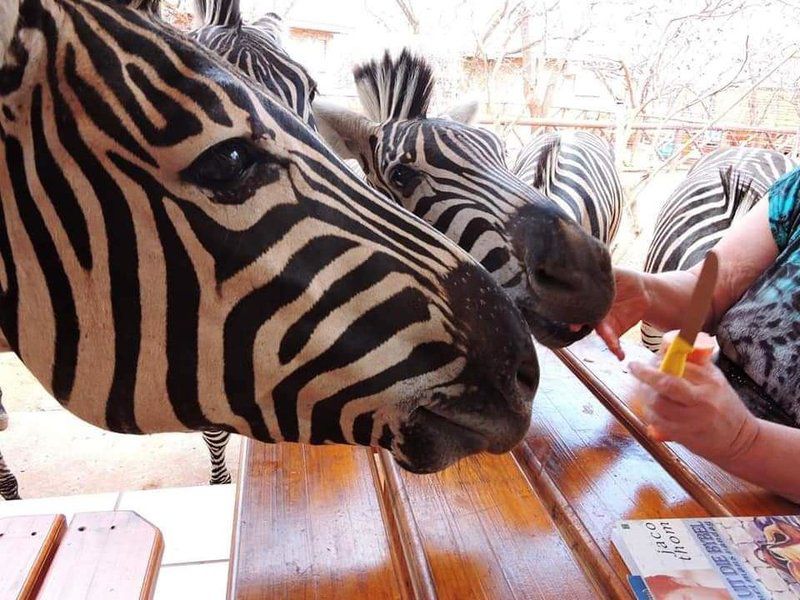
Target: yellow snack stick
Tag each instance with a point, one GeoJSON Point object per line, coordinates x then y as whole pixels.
{"type": "Point", "coordinates": [674, 362]}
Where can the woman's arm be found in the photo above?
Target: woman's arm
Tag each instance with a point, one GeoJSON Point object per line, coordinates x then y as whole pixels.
{"type": "Point", "coordinates": [745, 251]}
{"type": "Point", "coordinates": [770, 460]}
{"type": "Point", "coordinates": [704, 413]}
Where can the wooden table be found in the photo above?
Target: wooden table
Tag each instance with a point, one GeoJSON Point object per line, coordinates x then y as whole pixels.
{"type": "Point", "coordinates": [111, 555]}
{"type": "Point", "coordinates": [342, 522]}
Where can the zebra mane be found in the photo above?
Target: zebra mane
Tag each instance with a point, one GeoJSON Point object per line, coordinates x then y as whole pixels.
{"type": "Point", "coordinates": [218, 13]}
{"type": "Point", "coordinates": [392, 89]}
{"type": "Point", "coordinates": [736, 189]}
{"type": "Point", "coordinates": [271, 25]}
{"type": "Point", "coordinates": [544, 162]}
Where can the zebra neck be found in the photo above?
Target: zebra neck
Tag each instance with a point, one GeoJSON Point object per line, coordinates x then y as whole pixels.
{"type": "Point", "coordinates": [222, 13]}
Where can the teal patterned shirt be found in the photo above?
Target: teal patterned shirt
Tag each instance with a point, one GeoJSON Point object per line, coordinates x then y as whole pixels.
{"type": "Point", "coordinates": [760, 335]}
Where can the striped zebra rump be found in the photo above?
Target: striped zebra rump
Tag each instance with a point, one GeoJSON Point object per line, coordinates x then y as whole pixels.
{"type": "Point", "coordinates": [576, 171]}
{"type": "Point", "coordinates": [721, 188]}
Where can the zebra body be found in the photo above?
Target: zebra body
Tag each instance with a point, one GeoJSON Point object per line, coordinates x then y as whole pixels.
{"type": "Point", "coordinates": [719, 189]}
{"type": "Point", "coordinates": [454, 176]}
{"type": "Point", "coordinates": [210, 264]}
{"type": "Point", "coordinates": [576, 170]}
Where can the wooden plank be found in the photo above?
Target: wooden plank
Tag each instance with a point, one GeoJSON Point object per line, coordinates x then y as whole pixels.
{"type": "Point", "coordinates": [720, 493]}
{"type": "Point", "coordinates": [27, 545]}
{"type": "Point", "coordinates": [104, 556]}
{"type": "Point", "coordinates": [402, 527]}
{"type": "Point", "coordinates": [592, 557]}
{"type": "Point", "coordinates": [591, 473]}
{"type": "Point", "coordinates": [485, 534]}
{"type": "Point", "coordinates": [309, 525]}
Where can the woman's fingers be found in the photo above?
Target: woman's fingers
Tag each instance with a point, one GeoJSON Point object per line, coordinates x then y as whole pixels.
{"type": "Point", "coordinates": [663, 408]}
{"type": "Point", "coordinates": [706, 373]}
{"type": "Point", "coordinates": [661, 431]}
{"type": "Point", "coordinates": [610, 337]}
{"type": "Point", "coordinates": [673, 388]}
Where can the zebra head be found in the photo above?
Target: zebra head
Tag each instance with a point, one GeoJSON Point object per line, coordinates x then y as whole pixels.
{"type": "Point", "coordinates": [454, 176]}
{"type": "Point", "coordinates": [257, 49]}
{"type": "Point", "coordinates": [179, 252]}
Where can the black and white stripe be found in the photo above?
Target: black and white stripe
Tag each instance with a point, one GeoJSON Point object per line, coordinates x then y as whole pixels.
{"type": "Point", "coordinates": [178, 252]}
{"type": "Point", "coordinates": [216, 441]}
{"type": "Point", "coordinates": [454, 176]}
{"type": "Point", "coordinates": [576, 170]}
{"type": "Point", "coordinates": [9, 489]}
{"type": "Point", "coordinates": [257, 50]}
{"type": "Point", "coordinates": [718, 190]}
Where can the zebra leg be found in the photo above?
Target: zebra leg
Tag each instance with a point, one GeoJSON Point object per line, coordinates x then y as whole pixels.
{"type": "Point", "coordinates": [217, 441]}
{"type": "Point", "coordinates": [651, 336]}
{"type": "Point", "coordinates": [3, 414]}
{"type": "Point", "coordinates": [9, 489]}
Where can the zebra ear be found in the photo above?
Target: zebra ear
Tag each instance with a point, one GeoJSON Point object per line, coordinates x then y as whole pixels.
{"type": "Point", "coordinates": [346, 131]}
{"type": "Point", "coordinates": [463, 113]}
{"type": "Point", "coordinates": [9, 14]}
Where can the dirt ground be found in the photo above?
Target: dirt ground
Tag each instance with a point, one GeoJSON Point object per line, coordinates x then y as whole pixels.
{"type": "Point", "coordinates": [55, 454]}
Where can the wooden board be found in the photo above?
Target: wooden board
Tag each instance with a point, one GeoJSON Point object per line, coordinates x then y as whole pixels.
{"type": "Point", "coordinates": [105, 556]}
{"type": "Point", "coordinates": [720, 493]}
{"type": "Point", "coordinates": [340, 522]}
{"type": "Point", "coordinates": [485, 534]}
{"type": "Point", "coordinates": [591, 473]}
{"type": "Point", "coordinates": [309, 525]}
{"type": "Point", "coordinates": [27, 545]}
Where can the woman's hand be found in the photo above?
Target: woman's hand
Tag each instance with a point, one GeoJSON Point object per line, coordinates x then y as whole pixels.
{"type": "Point", "coordinates": [700, 411]}
{"type": "Point", "coordinates": [630, 305]}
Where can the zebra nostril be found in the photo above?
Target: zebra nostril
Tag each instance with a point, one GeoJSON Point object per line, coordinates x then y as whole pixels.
{"type": "Point", "coordinates": [545, 278]}
{"type": "Point", "coordinates": [527, 379]}
{"type": "Point", "coordinates": [541, 275]}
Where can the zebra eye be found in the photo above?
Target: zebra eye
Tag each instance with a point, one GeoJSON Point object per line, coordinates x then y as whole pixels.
{"type": "Point", "coordinates": [404, 179]}
{"type": "Point", "coordinates": [223, 165]}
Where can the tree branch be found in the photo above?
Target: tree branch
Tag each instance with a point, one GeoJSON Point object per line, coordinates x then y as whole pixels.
{"type": "Point", "coordinates": [408, 12]}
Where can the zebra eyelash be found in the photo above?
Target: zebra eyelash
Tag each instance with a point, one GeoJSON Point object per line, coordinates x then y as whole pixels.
{"type": "Point", "coordinates": [233, 169]}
